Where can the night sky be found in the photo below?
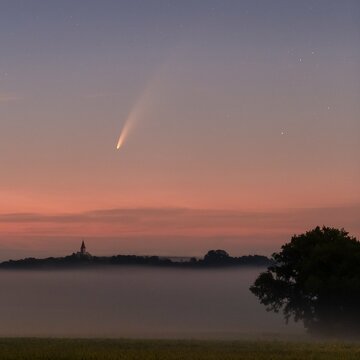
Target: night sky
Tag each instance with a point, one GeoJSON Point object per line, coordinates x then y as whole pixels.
{"type": "Point", "coordinates": [241, 120]}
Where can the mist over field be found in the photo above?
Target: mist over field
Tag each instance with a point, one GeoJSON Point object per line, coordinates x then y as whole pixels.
{"type": "Point", "coordinates": [135, 302]}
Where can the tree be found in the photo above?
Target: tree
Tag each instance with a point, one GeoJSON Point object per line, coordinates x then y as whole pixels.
{"type": "Point", "coordinates": [216, 257]}
{"type": "Point", "coordinates": [315, 279]}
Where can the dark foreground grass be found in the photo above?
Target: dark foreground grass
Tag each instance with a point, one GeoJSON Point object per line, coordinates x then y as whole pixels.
{"type": "Point", "coordinates": [79, 349]}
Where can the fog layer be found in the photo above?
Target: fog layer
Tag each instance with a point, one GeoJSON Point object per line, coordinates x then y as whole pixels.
{"type": "Point", "coordinates": [135, 302]}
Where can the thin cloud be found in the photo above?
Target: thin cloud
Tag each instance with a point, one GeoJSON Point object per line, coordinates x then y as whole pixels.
{"type": "Point", "coordinates": [196, 218]}
{"type": "Point", "coordinates": [8, 97]}
{"type": "Point", "coordinates": [167, 230]}
{"type": "Point", "coordinates": [102, 95]}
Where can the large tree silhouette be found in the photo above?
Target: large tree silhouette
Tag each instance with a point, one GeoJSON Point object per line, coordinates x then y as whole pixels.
{"type": "Point", "coordinates": [315, 279]}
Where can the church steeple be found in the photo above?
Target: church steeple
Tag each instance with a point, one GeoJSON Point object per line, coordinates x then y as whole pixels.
{"type": "Point", "coordinates": [83, 253]}
{"type": "Point", "coordinates": [83, 248]}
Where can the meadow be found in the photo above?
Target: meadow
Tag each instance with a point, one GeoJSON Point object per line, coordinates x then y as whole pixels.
{"type": "Point", "coordinates": [111, 349]}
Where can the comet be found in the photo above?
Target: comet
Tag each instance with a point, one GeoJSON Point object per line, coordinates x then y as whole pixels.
{"type": "Point", "coordinates": [125, 132]}
{"type": "Point", "coordinates": [129, 125]}
{"type": "Point", "coordinates": [137, 112]}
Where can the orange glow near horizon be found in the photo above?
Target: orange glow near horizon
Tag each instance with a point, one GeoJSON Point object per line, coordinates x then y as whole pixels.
{"type": "Point", "coordinates": [176, 231]}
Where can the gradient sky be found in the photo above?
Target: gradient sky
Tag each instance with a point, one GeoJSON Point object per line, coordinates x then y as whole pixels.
{"type": "Point", "coordinates": [247, 124]}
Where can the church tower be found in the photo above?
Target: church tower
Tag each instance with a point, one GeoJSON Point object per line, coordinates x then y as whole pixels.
{"type": "Point", "coordinates": [82, 254]}
{"type": "Point", "coordinates": [83, 248]}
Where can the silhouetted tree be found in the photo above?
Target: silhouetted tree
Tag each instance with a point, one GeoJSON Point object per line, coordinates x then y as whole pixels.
{"type": "Point", "coordinates": [316, 279]}
{"type": "Point", "coordinates": [216, 257]}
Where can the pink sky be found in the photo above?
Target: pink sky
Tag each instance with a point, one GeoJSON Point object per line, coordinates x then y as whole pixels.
{"type": "Point", "coordinates": [245, 125]}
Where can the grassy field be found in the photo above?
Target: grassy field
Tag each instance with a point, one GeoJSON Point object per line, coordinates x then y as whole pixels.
{"type": "Point", "coordinates": [36, 349]}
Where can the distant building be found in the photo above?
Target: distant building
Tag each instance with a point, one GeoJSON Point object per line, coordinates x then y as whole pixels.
{"type": "Point", "coordinates": [83, 248]}
{"type": "Point", "coordinates": [83, 253]}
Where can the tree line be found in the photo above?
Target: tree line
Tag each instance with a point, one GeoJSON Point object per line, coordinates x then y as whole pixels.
{"type": "Point", "coordinates": [213, 258]}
